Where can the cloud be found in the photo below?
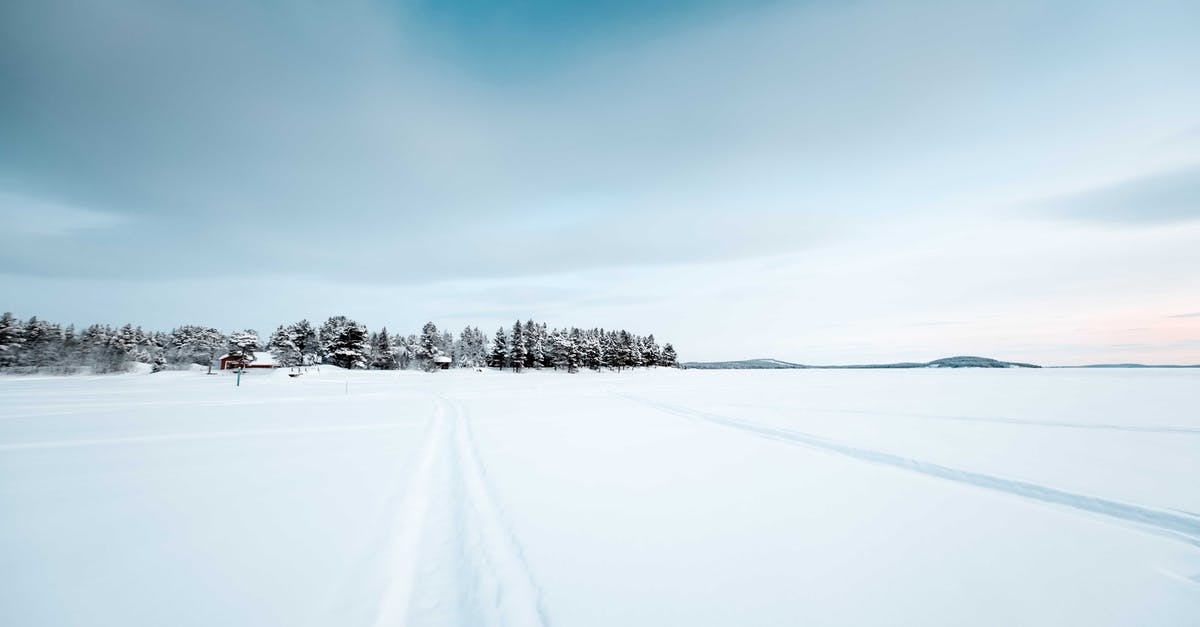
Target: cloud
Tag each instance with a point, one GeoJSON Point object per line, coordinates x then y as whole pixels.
{"type": "Point", "coordinates": [342, 142]}
{"type": "Point", "coordinates": [35, 218]}
{"type": "Point", "coordinates": [1159, 198]}
{"type": "Point", "coordinates": [1194, 314]}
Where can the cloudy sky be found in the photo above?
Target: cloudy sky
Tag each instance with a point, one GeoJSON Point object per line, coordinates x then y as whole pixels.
{"type": "Point", "coordinates": [824, 182]}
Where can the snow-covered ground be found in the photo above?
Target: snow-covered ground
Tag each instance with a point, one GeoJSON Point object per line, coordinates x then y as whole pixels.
{"type": "Point", "coordinates": [897, 497]}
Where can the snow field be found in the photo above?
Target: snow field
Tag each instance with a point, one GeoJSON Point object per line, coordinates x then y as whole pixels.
{"type": "Point", "coordinates": [933, 497]}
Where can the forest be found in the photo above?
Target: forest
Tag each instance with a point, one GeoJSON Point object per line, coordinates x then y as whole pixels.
{"type": "Point", "coordinates": [40, 346]}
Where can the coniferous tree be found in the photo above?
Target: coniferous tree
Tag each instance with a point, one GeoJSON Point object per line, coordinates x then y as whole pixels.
{"type": "Point", "coordinates": [429, 346]}
{"type": "Point", "coordinates": [41, 342]}
{"type": "Point", "coordinates": [383, 356]}
{"type": "Point", "coordinates": [499, 354]}
{"type": "Point", "coordinates": [296, 345]}
{"type": "Point", "coordinates": [519, 350]}
{"type": "Point", "coordinates": [195, 344]}
{"type": "Point", "coordinates": [651, 353]}
{"type": "Point", "coordinates": [69, 352]}
{"type": "Point", "coordinates": [406, 351]}
{"type": "Point", "coordinates": [12, 335]}
{"type": "Point", "coordinates": [479, 348]}
{"type": "Point", "coordinates": [282, 349]}
{"type": "Point", "coordinates": [40, 345]}
{"type": "Point", "coordinates": [470, 350]}
{"type": "Point", "coordinates": [562, 349]}
{"type": "Point", "coordinates": [536, 337]}
{"type": "Point", "coordinates": [669, 359]}
{"type": "Point", "coordinates": [243, 345]}
{"type": "Point", "coordinates": [344, 343]}
{"type": "Point", "coordinates": [591, 352]}
{"type": "Point", "coordinates": [446, 347]}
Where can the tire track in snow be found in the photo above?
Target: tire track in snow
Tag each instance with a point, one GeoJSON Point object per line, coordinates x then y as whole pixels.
{"type": "Point", "coordinates": [503, 585]}
{"type": "Point", "coordinates": [1176, 526]}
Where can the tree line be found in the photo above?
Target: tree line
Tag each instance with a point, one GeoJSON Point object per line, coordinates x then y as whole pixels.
{"type": "Point", "coordinates": [35, 345]}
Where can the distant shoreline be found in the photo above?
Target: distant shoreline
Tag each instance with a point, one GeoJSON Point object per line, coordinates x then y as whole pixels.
{"type": "Point", "coordinates": [946, 362]}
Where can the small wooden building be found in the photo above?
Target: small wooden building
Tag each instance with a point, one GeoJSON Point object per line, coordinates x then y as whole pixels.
{"type": "Point", "coordinates": [261, 360]}
{"type": "Point", "coordinates": [442, 362]}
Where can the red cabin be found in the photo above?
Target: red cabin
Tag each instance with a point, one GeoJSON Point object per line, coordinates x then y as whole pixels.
{"type": "Point", "coordinates": [261, 360]}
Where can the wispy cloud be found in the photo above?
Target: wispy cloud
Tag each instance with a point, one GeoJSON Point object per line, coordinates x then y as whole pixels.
{"type": "Point", "coordinates": [745, 175]}
{"type": "Point", "coordinates": [1194, 314]}
{"type": "Point", "coordinates": [1153, 199]}
{"type": "Point", "coordinates": [341, 141]}
{"type": "Point", "coordinates": [25, 217]}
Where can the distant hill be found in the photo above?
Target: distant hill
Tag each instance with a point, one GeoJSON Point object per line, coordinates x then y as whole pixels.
{"type": "Point", "coordinates": [961, 361]}
{"type": "Point", "coordinates": [976, 362]}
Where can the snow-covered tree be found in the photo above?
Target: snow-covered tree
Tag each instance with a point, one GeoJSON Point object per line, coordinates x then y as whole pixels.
{"type": "Point", "coordinates": [535, 336]}
{"type": "Point", "coordinates": [518, 351]}
{"type": "Point", "coordinates": [592, 354]}
{"type": "Point", "coordinates": [295, 345]}
{"type": "Point", "coordinates": [429, 347]}
{"type": "Point", "coordinates": [383, 356]}
{"type": "Point", "coordinates": [498, 356]}
{"type": "Point", "coordinates": [12, 335]}
{"type": "Point", "coordinates": [243, 345]}
{"type": "Point", "coordinates": [194, 344]}
{"type": "Point", "coordinates": [446, 347]}
{"type": "Point", "coordinates": [344, 343]}
{"type": "Point", "coordinates": [38, 344]}
{"type": "Point", "coordinates": [42, 341]}
{"type": "Point", "coordinates": [406, 350]}
{"type": "Point", "coordinates": [470, 350]}
{"type": "Point", "coordinates": [669, 359]}
{"type": "Point", "coordinates": [651, 353]}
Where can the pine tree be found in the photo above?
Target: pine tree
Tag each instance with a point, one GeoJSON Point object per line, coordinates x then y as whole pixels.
{"type": "Point", "coordinates": [446, 347]}
{"type": "Point", "coordinates": [383, 357]}
{"type": "Point", "coordinates": [469, 350]}
{"type": "Point", "coordinates": [499, 354]}
{"type": "Point", "coordinates": [282, 349]}
{"type": "Point", "coordinates": [69, 356]}
{"type": "Point", "coordinates": [243, 345]}
{"type": "Point", "coordinates": [41, 343]}
{"type": "Point", "coordinates": [429, 347]}
{"type": "Point", "coordinates": [592, 353]}
{"type": "Point", "coordinates": [537, 344]}
{"type": "Point", "coordinates": [406, 350]}
{"type": "Point", "coordinates": [651, 354]}
{"type": "Point", "coordinates": [303, 344]}
{"type": "Point", "coordinates": [192, 344]}
{"type": "Point", "coordinates": [12, 335]}
{"type": "Point", "coordinates": [295, 345]}
{"type": "Point", "coordinates": [669, 358]}
{"type": "Point", "coordinates": [519, 351]}
{"type": "Point", "coordinates": [344, 343]}
{"type": "Point", "coordinates": [38, 344]}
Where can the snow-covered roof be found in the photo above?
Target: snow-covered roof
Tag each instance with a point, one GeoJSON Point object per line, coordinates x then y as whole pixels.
{"type": "Point", "coordinates": [442, 359]}
{"type": "Point", "coordinates": [260, 359]}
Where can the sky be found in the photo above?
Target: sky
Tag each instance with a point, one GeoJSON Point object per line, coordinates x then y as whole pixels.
{"type": "Point", "coordinates": [820, 182]}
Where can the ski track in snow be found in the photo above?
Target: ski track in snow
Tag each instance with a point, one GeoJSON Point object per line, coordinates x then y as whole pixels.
{"type": "Point", "coordinates": [1175, 526]}
{"type": "Point", "coordinates": [452, 559]}
{"type": "Point", "coordinates": [403, 551]}
{"type": "Point", "coordinates": [27, 413]}
{"type": "Point", "coordinates": [198, 435]}
{"type": "Point", "coordinates": [504, 586]}
{"type": "Point", "coordinates": [995, 420]}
